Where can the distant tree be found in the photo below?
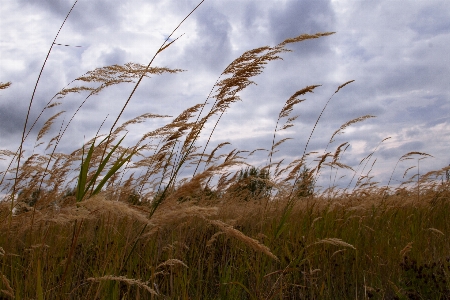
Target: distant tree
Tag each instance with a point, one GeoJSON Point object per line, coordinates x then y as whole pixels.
{"type": "Point", "coordinates": [30, 198]}
{"type": "Point", "coordinates": [188, 191]}
{"type": "Point", "coordinates": [70, 192]}
{"type": "Point", "coordinates": [201, 193]}
{"type": "Point", "coordinates": [447, 175]}
{"type": "Point", "coordinates": [251, 183]}
{"type": "Point", "coordinates": [133, 197]}
{"type": "Point", "coordinates": [68, 197]}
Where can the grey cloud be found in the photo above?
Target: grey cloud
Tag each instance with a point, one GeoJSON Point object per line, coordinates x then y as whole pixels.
{"type": "Point", "coordinates": [431, 111]}
{"type": "Point", "coordinates": [59, 8]}
{"type": "Point", "coordinates": [251, 11]}
{"type": "Point", "coordinates": [11, 119]}
{"type": "Point", "coordinates": [116, 56]}
{"type": "Point", "coordinates": [411, 146]}
{"type": "Point", "coordinates": [432, 20]}
{"type": "Point", "coordinates": [212, 47]}
{"type": "Point", "coordinates": [296, 17]}
{"type": "Point", "coordinates": [85, 16]}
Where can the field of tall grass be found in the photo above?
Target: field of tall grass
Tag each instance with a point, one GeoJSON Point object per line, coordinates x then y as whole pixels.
{"type": "Point", "coordinates": [109, 221]}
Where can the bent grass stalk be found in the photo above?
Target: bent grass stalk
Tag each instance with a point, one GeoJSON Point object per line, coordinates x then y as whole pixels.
{"type": "Point", "coordinates": [82, 188]}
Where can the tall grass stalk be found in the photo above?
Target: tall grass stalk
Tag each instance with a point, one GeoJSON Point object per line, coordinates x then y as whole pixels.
{"type": "Point", "coordinates": [19, 152]}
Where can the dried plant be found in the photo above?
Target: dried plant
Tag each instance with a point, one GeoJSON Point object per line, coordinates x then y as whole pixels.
{"type": "Point", "coordinates": [183, 215]}
{"type": "Point", "coordinates": [126, 280]}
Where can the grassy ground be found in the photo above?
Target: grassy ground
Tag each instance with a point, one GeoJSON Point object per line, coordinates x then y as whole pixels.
{"type": "Point", "coordinates": [358, 247]}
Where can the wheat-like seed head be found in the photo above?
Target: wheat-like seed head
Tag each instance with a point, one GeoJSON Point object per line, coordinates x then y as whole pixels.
{"type": "Point", "coordinates": [254, 244]}
{"type": "Point", "coordinates": [347, 124]}
{"type": "Point", "coordinates": [47, 125]}
{"type": "Point", "coordinates": [335, 242]}
{"type": "Point", "coordinates": [437, 231]}
{"type": "Point", "coordinates": [407, 249]}
{"type": "Point", "coordinates": [4, 85]}
{"type": "Point", "coordinates": [126, 280]}
{"type": "Point", "coordinates": [172, 262]}
{"type": "Point", "coordinates": [6, 283]}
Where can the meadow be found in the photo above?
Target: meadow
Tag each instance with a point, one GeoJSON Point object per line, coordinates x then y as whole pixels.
{"type": "Point", "coordinates": [110, 221]}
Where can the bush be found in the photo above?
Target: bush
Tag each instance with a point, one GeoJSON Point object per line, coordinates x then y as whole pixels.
{"type": "Point", "coordinates": [251, 183]}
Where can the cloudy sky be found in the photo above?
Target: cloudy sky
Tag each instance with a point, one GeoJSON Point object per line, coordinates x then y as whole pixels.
{"type": "Point", "coordinates": [398, 53]}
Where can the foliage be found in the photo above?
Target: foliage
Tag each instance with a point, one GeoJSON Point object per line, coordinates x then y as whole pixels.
{"type": "Point", "coordinates": [84, 185]}
{"type": "Point", "coordinates": [251, 183]}
{"type": "Point", "coordinates": [30, 199]}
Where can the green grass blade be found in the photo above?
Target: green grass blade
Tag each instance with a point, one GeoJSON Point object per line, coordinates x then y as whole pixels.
{"type": "Point", "coordinates": [102, 165]}
{"type": "Point", "coordinates": [117, 165]}
{"type": "Point", "coordinates": [83, 173]}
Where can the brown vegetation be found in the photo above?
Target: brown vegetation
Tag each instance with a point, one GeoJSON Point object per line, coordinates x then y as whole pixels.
{"type": "Point", "coordinates": [219, 233]}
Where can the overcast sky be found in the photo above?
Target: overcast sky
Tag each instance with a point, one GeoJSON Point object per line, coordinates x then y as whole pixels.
{"type": "Point", "coordinates": [398, 53]}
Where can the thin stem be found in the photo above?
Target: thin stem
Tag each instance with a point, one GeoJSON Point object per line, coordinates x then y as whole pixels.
{"type": "Point", "coordinates": [163, 46]}
{"type": "Point", "coordinates": [13, 192]}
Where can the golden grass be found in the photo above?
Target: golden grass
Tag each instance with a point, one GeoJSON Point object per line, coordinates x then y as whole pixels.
{"type": "Point", "coordinates": [218, 233]}
{"type": "Point", "coordinates": [252, 243]}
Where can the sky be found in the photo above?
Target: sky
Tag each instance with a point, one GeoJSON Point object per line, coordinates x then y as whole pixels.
{"type": "Point", "coordinates": [398, 53]}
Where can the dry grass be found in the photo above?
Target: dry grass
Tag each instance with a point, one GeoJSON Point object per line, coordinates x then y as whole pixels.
{"type": "Point", "coordinates": [125, 280]}
{"type": "Point", "coordinates": [149, 234]}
